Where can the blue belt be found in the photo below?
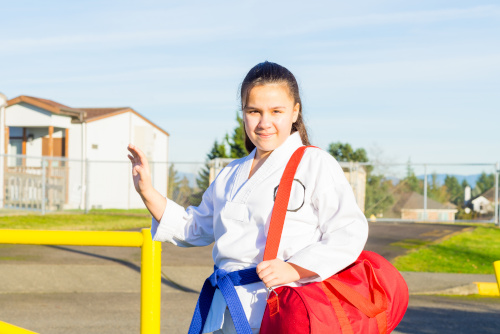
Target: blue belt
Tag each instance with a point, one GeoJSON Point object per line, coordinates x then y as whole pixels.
{"type": "Point", "coordinates": [225, 282]}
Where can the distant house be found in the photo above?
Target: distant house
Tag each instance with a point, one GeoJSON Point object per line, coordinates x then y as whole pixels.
{"type": "Point", "coordinates": [36, 127]}
{"type": "Point", "coordinates": [483, 203]}
{"type": "Point", "coordinates": [410, 206]}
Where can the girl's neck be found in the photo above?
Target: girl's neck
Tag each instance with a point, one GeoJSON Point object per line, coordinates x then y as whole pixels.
{"type": "Point", "coordinates": [258, 161]}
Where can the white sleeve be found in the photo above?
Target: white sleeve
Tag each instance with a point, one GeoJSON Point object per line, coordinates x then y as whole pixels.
{"type": "Point", "coordinates": [343, 226]}
{"type": "Point", "coordinates": [189, 227]}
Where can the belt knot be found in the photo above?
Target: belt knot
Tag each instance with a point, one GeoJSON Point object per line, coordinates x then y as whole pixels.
{"type": "Point", "coordinates": [216, 276]}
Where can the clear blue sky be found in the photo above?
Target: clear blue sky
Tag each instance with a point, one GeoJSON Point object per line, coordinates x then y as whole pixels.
{"type": "Point", "coordinates": [409, 79]}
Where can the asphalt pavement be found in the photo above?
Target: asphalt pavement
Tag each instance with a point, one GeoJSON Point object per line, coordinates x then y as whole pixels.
{"type": "Point", "coordinates": [61, 289]}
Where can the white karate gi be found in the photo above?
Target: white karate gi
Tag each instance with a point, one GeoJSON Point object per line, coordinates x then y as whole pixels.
{"type": "Point", "coordinates": [326, 234]}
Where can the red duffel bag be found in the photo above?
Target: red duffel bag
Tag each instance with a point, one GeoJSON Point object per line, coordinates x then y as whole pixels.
{"type": "Point", "coordinates": [368, 297]}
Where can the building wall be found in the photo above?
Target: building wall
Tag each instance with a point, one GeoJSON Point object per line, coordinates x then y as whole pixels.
{"type": "Point", "coordinates": [418, 214]}
{"type": "Point", "coordinates": [154, 143]}
{"type": "Point", "coordinates": [27, 115]}
{"type": "Point", "coordinates": [111, 183]}
{"type": "Point", "coordinates": [482, 205]}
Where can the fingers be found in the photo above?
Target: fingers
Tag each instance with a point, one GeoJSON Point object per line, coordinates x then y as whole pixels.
{"type": "Point", "coordinates": [137, 153]}
{"type": "Point", "coordinates": [267, 273]}
{"type": "Point", "coordinates": [263, 265]}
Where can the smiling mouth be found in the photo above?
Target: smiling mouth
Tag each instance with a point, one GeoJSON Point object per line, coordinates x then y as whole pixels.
{"type": "Point", "coordinates": [265, 135]}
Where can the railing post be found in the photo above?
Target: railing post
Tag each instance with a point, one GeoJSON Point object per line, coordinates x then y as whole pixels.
{"type": "Point", "coordinates": [150, 284]}
{"type": "Point", "coordinates": [11, 329]}
{"type": "Point", "coordinates": [496, 266]}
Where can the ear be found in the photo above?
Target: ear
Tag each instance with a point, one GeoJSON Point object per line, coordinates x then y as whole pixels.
{"type": "Point", "coordinates": [296, 111]}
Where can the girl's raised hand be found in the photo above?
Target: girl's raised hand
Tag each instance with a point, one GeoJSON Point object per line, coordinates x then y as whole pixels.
{"type": "Point", "coordinates": [140, 170]}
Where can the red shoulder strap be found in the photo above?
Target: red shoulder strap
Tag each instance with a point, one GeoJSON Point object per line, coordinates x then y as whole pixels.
{"type": "Point", "coordinates": [281, 205]}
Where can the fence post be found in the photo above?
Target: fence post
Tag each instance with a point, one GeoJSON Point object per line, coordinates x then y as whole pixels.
{"type": "Point", "coordinates": [425, 193]}
{"type": "Point", "coordinates": [150, 284]}
{"type": "Point", "coordinates": [497, 170]}
{"type": "Point", "coordinates": [44, 189]}
{"type": "Point", "coordinates": [87, 179]}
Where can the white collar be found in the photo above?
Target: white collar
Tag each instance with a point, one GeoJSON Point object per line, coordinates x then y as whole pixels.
{"type": "Point", "coordinates": [278, 158]}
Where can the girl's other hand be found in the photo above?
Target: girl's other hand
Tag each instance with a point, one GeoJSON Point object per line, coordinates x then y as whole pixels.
{"type": "Point", "coordinates": [140, 170]}
{"type": "Point", "coordinates": [276, 272]}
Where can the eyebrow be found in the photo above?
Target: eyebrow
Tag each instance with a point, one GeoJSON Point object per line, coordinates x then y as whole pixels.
{"type": "Point", "coordinates": [277, 107]}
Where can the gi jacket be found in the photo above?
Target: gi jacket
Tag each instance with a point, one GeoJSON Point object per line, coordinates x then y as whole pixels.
{"type": "Point", "coordinates": [324, 231]}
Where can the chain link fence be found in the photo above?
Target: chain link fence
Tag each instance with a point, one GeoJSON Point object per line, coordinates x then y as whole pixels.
{"type": "Point", "coordinates": [385, 192]}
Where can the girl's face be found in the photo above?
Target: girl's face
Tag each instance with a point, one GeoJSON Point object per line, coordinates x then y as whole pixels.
{"type": "Point", "coordinates": [268, 116]}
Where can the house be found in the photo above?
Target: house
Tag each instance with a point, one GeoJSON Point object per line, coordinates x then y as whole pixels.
{"type": "Point", "coordinates": [484, 203]}
{"type": "Point", "coordinates": [74, 157]}
{"type": "Point", "coordinates": [410, 206]}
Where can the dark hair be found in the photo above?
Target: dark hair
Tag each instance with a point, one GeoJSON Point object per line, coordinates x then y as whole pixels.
{"type": "Point", "coordinates": [272, 73]}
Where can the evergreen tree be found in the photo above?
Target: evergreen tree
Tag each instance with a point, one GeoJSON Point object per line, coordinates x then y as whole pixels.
{"type": "Point", "coordinates": [411, 182]}
{"type": "Point", "coordinates": [173, 182]}
{"type": "Point", "coordinates": [454, 189]}
{"type": "Point", "coordinates": [437, 192]}
{"type": "Point", "coordinates": [203, 179]}
{"type": "Point", "coordinates": [378, 196]}
{"type": "Point", "coordinates": [485, 182]}
{"type": "Point", "coordinates": [237, 141]}
{"type": "Point", "coordinates": [184, 193]}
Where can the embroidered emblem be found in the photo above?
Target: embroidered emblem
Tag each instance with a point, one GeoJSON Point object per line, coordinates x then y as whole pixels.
{"type": "Point", "coordinates": [301, 185]}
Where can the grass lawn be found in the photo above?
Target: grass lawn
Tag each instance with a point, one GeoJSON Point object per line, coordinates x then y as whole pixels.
{"type": "Point", "coordinates": [470, 252]}
{"type": "Point", "coordinates": [101, 221]}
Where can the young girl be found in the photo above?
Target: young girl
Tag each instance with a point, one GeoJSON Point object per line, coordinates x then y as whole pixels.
{"type": "Point", "coordinates": [324, 232]}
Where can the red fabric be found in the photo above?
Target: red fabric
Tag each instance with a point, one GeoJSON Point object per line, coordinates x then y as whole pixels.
{"type": "Point", "coordinates": [281, 205]}
{"type": "Point", "coordinates": [372, 295]}
{"type": "Point", "coordinates": [368, 297]}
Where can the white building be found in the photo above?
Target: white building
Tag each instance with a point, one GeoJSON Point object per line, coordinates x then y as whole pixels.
{"type": "Point", "coordinates": [82, 146]}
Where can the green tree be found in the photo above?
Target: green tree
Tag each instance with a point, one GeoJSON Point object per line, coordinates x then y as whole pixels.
{"type": "Point", "coordinates": [345, 152]}
{"type": "Point", "coordinates": [184, 193]}
{"type": "Point", "coordinates": [436, 191]}
{"type": "Point", "coordinates": [237, 140]}
{"type": "Point", "coordinates": [378, 196]}
{"type": "Point", "coordinates": [485, 182]}
{"type": "Point", "coordinates": [173, 182]}
{"type": "Point", "coordinates": [464, 184]}
{"type": "Point", "coordinates": [218, 150]}
{"type": "Point", "coordinates": [411, 182]}
{"type": "Point", "coordinates": [454, 189]}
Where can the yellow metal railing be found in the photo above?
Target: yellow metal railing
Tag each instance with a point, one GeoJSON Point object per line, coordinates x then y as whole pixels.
{"type": "Point", "coordinates": [150, 264]}
{"type": "Point", "coordinates": [11, 329]}
{"type": "Point", "coordinates": [490, 288]}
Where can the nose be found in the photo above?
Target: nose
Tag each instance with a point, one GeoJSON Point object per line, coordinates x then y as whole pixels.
{"type": "Point", "coordinates": [265, 121]}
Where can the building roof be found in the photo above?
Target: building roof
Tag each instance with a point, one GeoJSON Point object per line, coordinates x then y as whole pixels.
{"type": "Point", "coordinates": [78, 114]}
{"type": "Point", "coordinates": [414, 201]}
{"type": "Point", "coordinates": [488, 194]}
{"type": "Point", "coordinates": [91, 113]}
{"type": "Point", "coordinates": [49, 105]}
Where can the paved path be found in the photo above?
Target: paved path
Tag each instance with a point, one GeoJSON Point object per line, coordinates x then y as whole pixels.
{"type": "Point", "coordinates": [60, 289]}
